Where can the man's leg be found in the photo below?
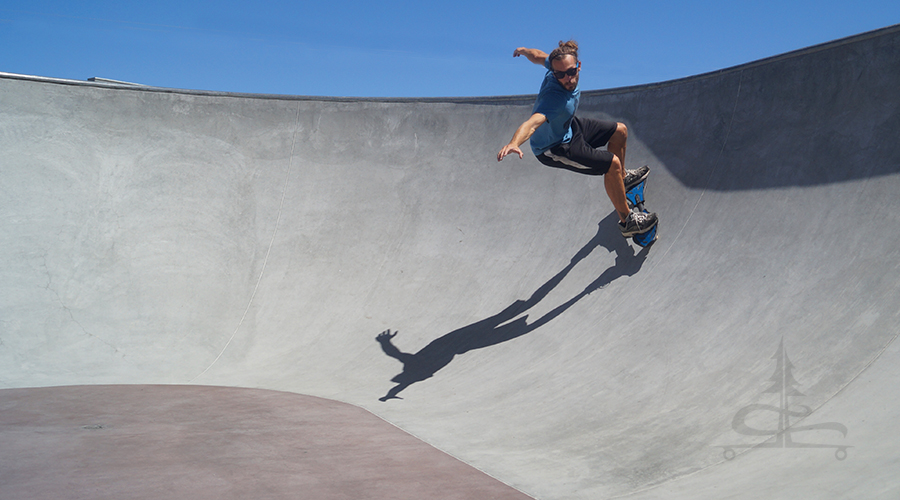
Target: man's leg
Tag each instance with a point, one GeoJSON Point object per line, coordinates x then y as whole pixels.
{"type": "Point", "coordinates": [614, 183]}
{"type": "Point", "coordinates": [614, 180]}
{"type": "Point", "coordinates": [596, 134]}
{"type": "Point", "coordinates": [618, 142]}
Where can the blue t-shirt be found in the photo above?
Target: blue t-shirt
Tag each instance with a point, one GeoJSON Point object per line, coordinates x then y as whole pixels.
{"type": "Point", "coordinates": [558, 105]}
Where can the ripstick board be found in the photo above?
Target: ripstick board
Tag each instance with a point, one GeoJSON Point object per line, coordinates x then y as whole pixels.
{"type": "Point", "coordinates": [635, 197]}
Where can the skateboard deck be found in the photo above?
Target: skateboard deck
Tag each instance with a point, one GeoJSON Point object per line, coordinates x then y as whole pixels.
{"type": "Point", "coordinates": [635, 197]}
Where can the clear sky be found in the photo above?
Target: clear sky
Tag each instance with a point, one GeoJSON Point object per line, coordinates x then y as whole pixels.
{"type": "Point", "coordinates": [416, 48]}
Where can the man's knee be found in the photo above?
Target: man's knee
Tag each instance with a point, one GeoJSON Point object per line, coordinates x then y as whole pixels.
{"type": "Point", "coordinates": [621, 133]}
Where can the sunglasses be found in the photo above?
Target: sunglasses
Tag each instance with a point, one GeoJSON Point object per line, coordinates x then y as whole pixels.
{"type": "Point", "coordinates": [559, 75]}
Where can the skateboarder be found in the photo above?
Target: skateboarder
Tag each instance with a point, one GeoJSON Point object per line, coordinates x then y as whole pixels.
{"type": "Point", "coordinates": [562, 140]}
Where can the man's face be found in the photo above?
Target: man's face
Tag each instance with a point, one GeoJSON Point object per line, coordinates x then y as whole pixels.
{"type": "Point", "coordinates": [563, 64]}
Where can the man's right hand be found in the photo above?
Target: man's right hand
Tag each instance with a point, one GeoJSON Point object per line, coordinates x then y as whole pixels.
{"type": "Point", "coordinates": [509, 148]}
{"type": "Point", "coordinates": [523, 133]}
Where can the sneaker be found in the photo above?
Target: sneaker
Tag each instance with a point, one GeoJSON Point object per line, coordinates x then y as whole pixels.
{"type": "Point", "coordinates": [635, 177]}
{"type": "Point", "coordinates": [638, 223]}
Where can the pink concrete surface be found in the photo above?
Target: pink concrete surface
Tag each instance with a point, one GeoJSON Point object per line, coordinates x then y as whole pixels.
{"type": "Point", "coordinates": [196, 442]}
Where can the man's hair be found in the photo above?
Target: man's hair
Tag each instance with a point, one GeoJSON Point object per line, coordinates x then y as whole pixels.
{"type": "Point", "coordinates": [569, 48]}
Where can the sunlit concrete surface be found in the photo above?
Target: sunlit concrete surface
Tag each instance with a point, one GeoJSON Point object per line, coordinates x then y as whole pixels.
{"type": "Point", "coordinates": [375, 254]}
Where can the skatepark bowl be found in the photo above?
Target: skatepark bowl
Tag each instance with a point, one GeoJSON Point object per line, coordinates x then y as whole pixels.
{"type": "Point", "coordinates": [217, 295]}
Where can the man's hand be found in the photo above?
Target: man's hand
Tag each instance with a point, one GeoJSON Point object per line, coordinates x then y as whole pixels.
{"type": "Point", "coordinates": [509, 148]}
{"type": "Point", "coordinates": [523, 133]}
{"type": "Point", "coordinates": [536, 56]}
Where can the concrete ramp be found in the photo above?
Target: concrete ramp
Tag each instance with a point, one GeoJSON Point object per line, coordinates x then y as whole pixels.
{"type": "Point", "coordinates": [375, 253]}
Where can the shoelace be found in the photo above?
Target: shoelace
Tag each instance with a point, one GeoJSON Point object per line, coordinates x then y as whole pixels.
{"type": "Point", "coordinates": [639, 217]}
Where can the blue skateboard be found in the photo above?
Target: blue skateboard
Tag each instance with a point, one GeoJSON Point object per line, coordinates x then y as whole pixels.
{"type": "Point", "coordinates": [635, 197]}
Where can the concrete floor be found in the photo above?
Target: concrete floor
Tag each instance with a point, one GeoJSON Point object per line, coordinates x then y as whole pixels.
{"type": "Point", "coordinates": [141, 441]}
{"type": "Point", "coordinates": [222, 267]}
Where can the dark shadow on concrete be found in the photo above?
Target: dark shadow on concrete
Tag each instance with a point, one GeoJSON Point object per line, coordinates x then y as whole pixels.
{"type": "Point", "coordinates": [818, 116]}
{"type": "Point", "coordinates": [508, 324]}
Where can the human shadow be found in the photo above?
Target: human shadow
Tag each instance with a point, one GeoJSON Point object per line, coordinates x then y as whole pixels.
{"type": "Point", "coordinates": [508, 324]}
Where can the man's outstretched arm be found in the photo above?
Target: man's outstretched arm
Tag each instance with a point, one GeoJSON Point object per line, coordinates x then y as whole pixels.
{"type": "Point", "coordinates": [523, 133]}
{"type": "Point", "coordinates": [536, 56]}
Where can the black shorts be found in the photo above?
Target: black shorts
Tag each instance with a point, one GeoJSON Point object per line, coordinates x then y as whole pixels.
{"type": "Point", "coordinates": [582, 153]}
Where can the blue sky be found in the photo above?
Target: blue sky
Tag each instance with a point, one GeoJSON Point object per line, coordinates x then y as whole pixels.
{"type": "Point", "coordinates": [408, 48]}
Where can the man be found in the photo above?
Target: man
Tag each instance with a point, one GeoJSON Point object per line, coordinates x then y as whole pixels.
{"type": "Point", "coordinates": [562, 140]}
